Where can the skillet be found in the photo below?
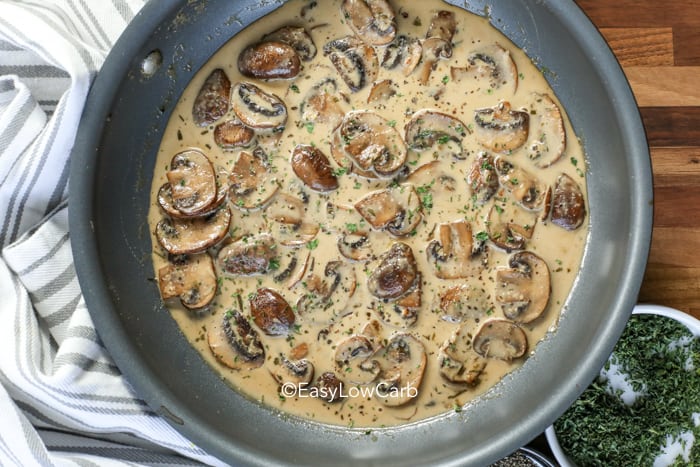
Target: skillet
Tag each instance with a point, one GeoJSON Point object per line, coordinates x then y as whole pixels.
{"type": "Point", "coordinates": [112, 163]}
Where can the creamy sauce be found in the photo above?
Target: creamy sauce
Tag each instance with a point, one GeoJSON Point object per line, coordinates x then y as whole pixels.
{"type": "Point", "coordinates": [561, 249]}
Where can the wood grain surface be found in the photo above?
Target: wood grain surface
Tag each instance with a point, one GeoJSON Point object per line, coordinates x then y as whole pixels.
{"type": "Point", "coordinates": [658, 46]}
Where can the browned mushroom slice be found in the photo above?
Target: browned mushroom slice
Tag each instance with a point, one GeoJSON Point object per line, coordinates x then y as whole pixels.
{"type": "Point", "coordinates": [568, 205]}
{"type": "Point", "coordinates": [193, 182]}
{"type": "Point", "coordinates": [232, 134]}
{"type": "Point", "coordinates": [381, 92]}
{"type": "Point", "coordinates": [457, 360]}
{"type": "Point", "coordinates": [524, 187]}
{"type": "Point", "coordinates": [482, 178]}
{"type": "Point", "coordinates": [403, 313]}
{"type": "Point", "coordinates": [327, 295]}
{"type": "Point", "coordinates": [396, 209]}
{"type": "Point", "coordinates": [297, 37]}
{"type": "Point", "coordinates": [313, 168]}
{"type": "Point", "coordinates": [435, 178]}
{"type": "Point", "coordinates": [355, 246]}
{"type": "Point", "coordinates": [251, 183]}
{"type": "Point", "coordinates": [437, 43]}
{"type": "Point", "coordinates": [352, 360]}
{"type": "Point", "coordinates": [373, 21]}
{"type": "Point", "coordinates": [300, 372]}
{"type": "Point", "coordinates": [404, 52]}
{"type": "Point", "coordinates": [509, 227]}
{"type": "Point", "coordinates": [501, 339]}
{"type": "Point", "coordinates": [271, 312]}
{"type": "Point", "coordinates": [235, 343]}
{"type": "Point", "coordinates": [258, 109]}
{"type": "Point", "coordinates": [370, 142]}
{"type": "Point", "coordinates": [269, 60]}
{"type": "Point", "coordinates": [523, 289]}
{"type": "Point", "coordinates": [165, 196]}
{"type": "Point", "coordinates": [437, 133]}
{"type": "Point", "coordinates": [355, 61]}
{"type": "Point", "coordinates": [185, 236]}
{"type": "Point", "coordinates": [192, 279]}
{"type": "Point", "coordinates": [492, 64]}
{"type": "Point", "coordinates": [501, 129]}
{"type": "Point", "coordinates": [329, 387]}
{"type": "Point", "coordinates": [395, 274]}
{"type": "Point", "coordinates": [547, 135]}
{"type": "Point", "coordinates": [249, 255]}
{"type": "Point", "coordinates": [465, 301]}
{"type": "Point", "coordinates": [212, 99]}
{"type": "Point", "coordinates": [452, 253]}
{"type": "Point", "coordinates": [402, 362]}
{"type": "Point", "coordinates": [322, 104]}
{"type": "Point", "coordinates": [289, 226]}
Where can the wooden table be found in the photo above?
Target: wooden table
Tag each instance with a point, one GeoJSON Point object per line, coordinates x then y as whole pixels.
{"type": "Point", "coordinates": [658, 45]}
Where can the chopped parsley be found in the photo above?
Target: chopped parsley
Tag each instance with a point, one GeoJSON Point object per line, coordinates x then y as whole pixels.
{"type": "Point", "coordinates": [313, 244]}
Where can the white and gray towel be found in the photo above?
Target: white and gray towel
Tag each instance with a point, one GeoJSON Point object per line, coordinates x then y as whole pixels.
{"type": "Point", "coordinates": [62, 399]}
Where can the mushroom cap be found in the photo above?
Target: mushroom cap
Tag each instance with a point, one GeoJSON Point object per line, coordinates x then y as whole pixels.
{"type": "Point", "coordinates": [298, 372]}
{"type": "Point", "coordinates": [355, 61]}
{"type": "Point", "coordinates": [568, 204]}
{"type": "Point", "coordinates": [186, 236]}
{"type": "Point", "coordinates": [351, 358]}
{"type": "Point", "coordinates": [297, 37]}
{"type": "Point", "coordinates": [234, 342]}
{"type": "Point", "coordinates": [403, 313]}
{"type": "Point", "coordinates": [166, 202]}
{"type": "Point", "coordinates": [458, 361]}
{"type": "Point", "coordinates": [192, 181]}
{"type": "Point", "coordinates": [526, 189]}
{"type": "Point", "coordinates": [248, 256]}
{"type": "Point", "coordinates": [251, 183]}
{"type": "Point", "coordinates": [491, 63]}
{"type": "Point", "coordinates": [437, 43]}
{"type": "Point", "coordinates": [395, 274]}
{"type": "Point", "coordinates": [483, 178]}
{"type": "Point", "coordinates": [452, 254]}
{"type": "Point", "coordinates": [402, 361]}
{"type": "Point", "coordinates": [212, 101]}
{"type": "Point", "coordinates": [404, 52]}
{"type": "Point", "coordinates": [523, 289]}
{"type": "Point", "coordinates": [373, 21]}
{"type": "Point", "coordinates": [322, 104]}
{"type": "Point", "coordinates": [509, 226]}
{"type": "Point", "coordinates": [271, 312]}
{"type": "Point", "coordinates": [269, 60]}
{"type": "Point", "coordinates": [464, 301]}
{"type": "Point", "coordinates": [327, 296]}
{"type": "Point", "coordinates": [501, 129]}
{"type": "Point", "coordinates": [381, 92]}
{"type": "Point", "coordinates": [396, 209]}
{"type": "Point", "coordinates": [547, 134]}
{"type": "Point", "coordinates": [313, 168]}
{"type": "Point", "coordinates": [330, 387]}
{"type": "Point", "coordinates": [501, 339]}
{"type": "Point", "coordinates": [192, 279]}
{"type": "Point", "coordinates": [232, 134]}
{"type": "Point", "coordinates": [437, 132]}
{"type": "Point", "coordinates": [288, 225]}
{"type": "Point", "coordinates": [257, 109]}
{"type": "Point", "coordinates": [355, 246]}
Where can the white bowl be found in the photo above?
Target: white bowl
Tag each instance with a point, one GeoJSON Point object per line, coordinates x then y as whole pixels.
{"type": "Point", "coordinates": [688, 321]}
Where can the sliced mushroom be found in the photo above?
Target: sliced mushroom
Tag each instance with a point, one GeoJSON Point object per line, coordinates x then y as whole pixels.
{"type": "Point", "coordinates": [355, 246]}
{"type": "Point", "coordinates": [404, 52]}
{"type": "Point", "coordinates": [568, 205]}
{"type": "Point", "coordinates": [249, 255]}
{"type": "Point", "coordinates": [501, 129]}
{"type": "Point", "coordinates": [330, 387]}
{"type": "Point", "coordinates": [509, 227]}
{"type": "Point", "coordinates": [192, 182]}
{"type": "Point", "coordinates": [402, 362]}
{"type": "Point", "coordinates": [373, 21]}
{"type": "Point", "coordinates": [289, 226]}
{"type": "Point", "coordinates": [258, 109]}
{"type": "Point", "coordinates": [322, 104]}
{"type": "Point", "coordinates": [298, 38]}
{"type": "Point", "coordinates": [395, 274]}
{"type": "Point", "coordinates": [233, 134]}
{"type": "Point", "coordinates": [370, 143]}
{"type": "Point", "coordinates": [165, 196]}
{"type": "Point", "coordinates": [403, 313]}
{"type": "Point", "coordinates": [437, 43]}
{"type": "Point", "coordinates": [457, 360]}
{"type": "Point", "coordinates": [271, 312]}
{"type": "Point", "coordinates": [464, 301]}
{"type": "Point", "coordinates": [523, 289]}
{"type": "Point", "coordinates": [547, 134]}
{"type": "Point", "coordinates": [235, 343]}
{"type": "Point", "coordinates": [186, 236]}
{"type": "Point", "coordinates": [212, 100]}
{"type": "Point", "coordinates": [352, 360]}
{"type": "Point", "coordinates": [355, 61]}
{"type": "Point", "coordinates": [435, 178]}
{"type": "Point", "coordinates": [269, 60]}
{"type": "Point", "coordinates": [395, 209]}
{"type": "Point", "coordinates": [381, 92]}
{"type": "Point", "coordinates": [525, 188]}
{"type": "Point", "coordinates": [192, 279]}
{"type": "Point", "coordinates": [297, 372]}
{"type": "Point", "coordinates": [327, 296]}
{"type": "Point", "coordinates": [438, 133]}
{"type": "Point", "coordinates": [452, 253]}
{"type": "Point", "coordinates": [491, 63]}
{"type": "Point", "coordinates": [313, 168]}
{"type": "Point", "coordinates": [483, 178]}
{"type": "Point", "coordinates": [251, 182]}
{"type": "Point", "coordinates": [501, 339]}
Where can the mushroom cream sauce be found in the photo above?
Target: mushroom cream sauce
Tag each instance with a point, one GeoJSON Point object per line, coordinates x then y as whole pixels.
{"type": "Point", "coordinates": [450, 269]}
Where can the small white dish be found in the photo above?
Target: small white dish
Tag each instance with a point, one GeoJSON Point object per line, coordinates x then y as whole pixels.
{"type": "Point", "coordinates": [688, 321]}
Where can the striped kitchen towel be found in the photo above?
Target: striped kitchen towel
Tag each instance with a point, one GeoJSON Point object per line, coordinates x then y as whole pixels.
{"type": "Point", "coordinates": [62, 399]}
